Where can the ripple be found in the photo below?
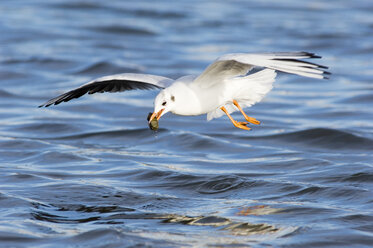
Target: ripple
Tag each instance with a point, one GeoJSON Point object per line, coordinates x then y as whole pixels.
{"type": "Point", "coordinates": [12, 75]}
{"type": "Point", "coordinates": [43, 216]}
{"type": "Point", "coordinates": [136, 134]}
{"type": "Point", "coordinates": [79, 5]}
{"type": "Point", "coordinates": [325, 138]}
{"type": "Point", "coordinates": [49, 157]}
{"type": "Point", "coordinates": [220, 184]}
{"type": "Point", "coordinates": [114, 237]}
{"type": "Point", "coordinates": [159, 14]}
{"type": "Point", "coordinates": [360, 177]}
{"type": "Point", "coordinates": [48, 128]}
{"type": "Point", "coordinates": [4, 93]}
{"type": "Point", "coordinates": [16, 238]}
{"type": "Point", "coordinates": [45, 61]}
{"type": "Point", "coordinates": [362, 98]}
{"type": "Point", "coordinates": [102, 68]}
{"type": "Point", "coordinates": [347, 195]}
{"type": "Point", "coordinates": [195, 142]}
{"type": "Point", "coordinates": [123, 30]}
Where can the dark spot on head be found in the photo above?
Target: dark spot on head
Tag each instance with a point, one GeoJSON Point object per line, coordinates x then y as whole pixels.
{"type": "Point", "coordinates": [173, 98]}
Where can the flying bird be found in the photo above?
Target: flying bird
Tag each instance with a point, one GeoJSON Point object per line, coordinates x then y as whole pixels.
{"type": "Point", "coordinates": [227, 85]}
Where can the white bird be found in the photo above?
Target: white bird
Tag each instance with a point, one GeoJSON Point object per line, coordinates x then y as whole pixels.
{"type": "Point", "coordinates": [224, 87]}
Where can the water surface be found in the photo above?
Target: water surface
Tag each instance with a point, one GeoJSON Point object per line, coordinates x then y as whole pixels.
{"type": "Point", "coordinates": [90, 173]}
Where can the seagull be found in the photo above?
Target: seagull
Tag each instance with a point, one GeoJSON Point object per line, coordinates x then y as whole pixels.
{"type": "Point", "coordinates": [227, 85]}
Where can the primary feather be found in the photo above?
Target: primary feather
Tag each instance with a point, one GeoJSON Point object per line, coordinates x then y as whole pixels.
{"type": "Point", "coordinates": [238, 64]}
{"type": "Point", "coordinates": [113, 83]}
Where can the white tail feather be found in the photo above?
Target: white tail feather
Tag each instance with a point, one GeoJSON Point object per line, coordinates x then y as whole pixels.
{"type": "Point", "coordinates": [250, 90]}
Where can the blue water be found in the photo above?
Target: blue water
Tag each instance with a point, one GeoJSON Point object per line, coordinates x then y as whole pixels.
{"type": "Point", "coordinates": [90, 173]}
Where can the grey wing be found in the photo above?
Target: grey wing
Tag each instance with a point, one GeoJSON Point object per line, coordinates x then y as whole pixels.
{"type": "Point", "coordinates": [238, 64]}
{"type": "Point", "coordinates": [222, 69]}
{"type": "Point", "coordinates": [114, 83]}
{"type": "Point", "coordinates": [289, 62]}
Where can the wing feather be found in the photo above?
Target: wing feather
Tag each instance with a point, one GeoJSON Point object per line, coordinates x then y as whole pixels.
{"type": "Point", "coordinates": [239, 64]}
{"type": "Point", "coordinates": [223, 69]}
{"type": "Point", "coordinates": [113, 83]}
{"type": "Point", "coordinates": [289, 62]}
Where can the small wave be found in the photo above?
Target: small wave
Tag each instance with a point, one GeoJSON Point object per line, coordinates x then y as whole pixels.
{"type": "Point", "coordinates": [113, 237]}
{"type": "Point", "coordinates": [46, 128]}
{"type": "Point", "coordinates": [116, 238]}
{"type": "Point", "coordinates": [360, 177]}
{"type": "Point", "coordinates": [123, 30]}
{"type": "Point", "coordinates": [102, 68]}
{"type": "Point", "coordinates": [8, 75]}
{"type": "Point", "coordinates": [135, 133]}
{"type": "Point", "coordinates": [159, 14]}
{"type": "Point", "coordinates": [190, 183]}
{"type": "Point", "coordinates": [220, 184]}
{"type": "Point", "coordinates": [36, 60]}
{"type": "Point", "coordinates": [347, 194]}
{"type": "Point", "coordinates": [44, 216]}
{"type": "Point", "coordinates": [97, 209]}
{"type": "Point", "coordinates": [4, 93]}
{"type": "Point", "coordinates": [195, 141]}
{"type": "Point", "coordinates": [145, 12]}
{"type": "Point", "coordinates": [16, 238]}
{"type": "Point", "coordinates": [79, 5]}
{"type": "Point", "coordinates": [324, 138]}
{"type": "Point", "coordinates": [360, 99]}
{"type": "Point", "coordinates": [49, 157]}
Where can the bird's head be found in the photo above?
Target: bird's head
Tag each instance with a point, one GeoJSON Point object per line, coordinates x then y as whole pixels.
{"type": "Point", "coordinates": [163, 103]}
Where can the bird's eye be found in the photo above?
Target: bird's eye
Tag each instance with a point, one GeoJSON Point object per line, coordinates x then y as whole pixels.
{"type": "Point", "coordinates": [164, 103]}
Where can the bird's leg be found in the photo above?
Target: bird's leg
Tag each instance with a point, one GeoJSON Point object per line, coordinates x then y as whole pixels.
{"type": "Point", "coordinates": [248, 118]}
{"type": "Point", "coordinates": [241, 125]}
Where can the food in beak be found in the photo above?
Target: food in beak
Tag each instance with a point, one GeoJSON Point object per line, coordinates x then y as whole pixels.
{"type": "Point", "coordinates": [153, 124]}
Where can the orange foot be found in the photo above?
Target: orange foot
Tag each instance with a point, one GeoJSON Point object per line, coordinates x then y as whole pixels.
{"type": "Point", "coordinates": [252, 120]}
{"type": "Point", "coordinates": [248, 118]}
{"type": "Point", "coordinates": [241, 124]}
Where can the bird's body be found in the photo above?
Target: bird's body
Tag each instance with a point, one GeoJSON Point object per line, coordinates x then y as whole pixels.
{"type": "Point", "coordinates": [224, 87]}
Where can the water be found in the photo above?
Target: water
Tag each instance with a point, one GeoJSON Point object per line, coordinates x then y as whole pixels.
{"type": "Point", "coordinates": [89, 173]}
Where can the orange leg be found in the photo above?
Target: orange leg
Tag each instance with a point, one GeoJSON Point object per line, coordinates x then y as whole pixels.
{"type": "Point", "coordinates": [248, 118]}
{"type": "Point", "coordinates": [241, 125]}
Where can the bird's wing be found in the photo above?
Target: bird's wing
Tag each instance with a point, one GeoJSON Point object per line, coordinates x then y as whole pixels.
{"type": "Point", "coordinates": [114, 83]}
{"type": "Point", "coordinates": [221, 69]}
{"type": "Point", "coordinates": [238, 64]}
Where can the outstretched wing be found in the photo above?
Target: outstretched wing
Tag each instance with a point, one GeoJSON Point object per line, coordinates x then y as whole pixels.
{"type": "Point", "coordinates": [238, 64]}
{"type": "Point", "coordinates": [114, 83]}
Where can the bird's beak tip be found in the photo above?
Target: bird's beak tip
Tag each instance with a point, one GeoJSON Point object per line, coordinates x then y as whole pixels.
{"type": "Point", "coordinates": [156, 115]}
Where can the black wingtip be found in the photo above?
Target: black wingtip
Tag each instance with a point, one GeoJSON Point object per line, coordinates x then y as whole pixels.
{"type": "Point", "coordinates": [314, 56]}
{"type": "Point", "coordinates": [44, 105]}
{"type": "Point", "coordinates": [326, 75]}
{"type": "Point", "coordinates": [311, 55]}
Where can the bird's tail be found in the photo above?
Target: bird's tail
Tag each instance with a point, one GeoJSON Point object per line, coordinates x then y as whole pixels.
{"type": "Point", "coordinates": [247, 91]}
{"type": "Point", "coordinates": [255, 86]}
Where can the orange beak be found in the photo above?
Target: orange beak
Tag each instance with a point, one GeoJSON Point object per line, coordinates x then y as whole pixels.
{"type": "Point", "coordinates": [156, 115]}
